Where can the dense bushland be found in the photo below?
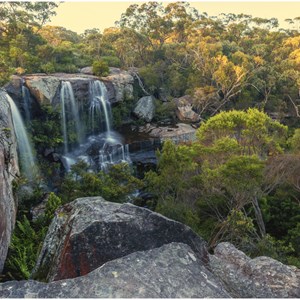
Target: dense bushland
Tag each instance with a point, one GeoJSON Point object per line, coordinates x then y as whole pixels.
{"type": "Point", "coordinates": [238, 182]}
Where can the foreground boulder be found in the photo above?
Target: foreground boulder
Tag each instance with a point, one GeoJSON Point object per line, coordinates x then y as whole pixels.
{"type": "Point", "coordinates": [171, 271]}
{"type": "Point", "coordinates": [88, 232]}
{"type": "Point", "coordinates": [8, 172]}
{"type": "Point", "coordinates": [261, 277]}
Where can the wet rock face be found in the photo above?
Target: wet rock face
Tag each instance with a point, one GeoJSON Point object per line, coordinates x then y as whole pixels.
{"type": "Point", "coordinates": [89, 232]}
{"type": "Point", "coordinates": [45, 89]}
{"type": "Point", "coordinates": [171, 271]}
{"type": "Point", "coordinates": [8, 170]}
{"type": "Point", "coordinates": [145, 108]}
{"type": "Point", "coordinates": [14, 88]}
{"type": "Point", "coordinates": [261, 277]}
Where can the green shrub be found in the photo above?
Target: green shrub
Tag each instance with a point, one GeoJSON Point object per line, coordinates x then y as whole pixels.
{"type": "Point", "coordinates": [24, 249]}
{"type": "Point", "coordinates": [48, 67]}
{"type": "Point", "coordinates": [112, 61]}
{"type": "Point", "coordinates": [115, 185]}
{"type": "Point", "coordinates": [100, 68]}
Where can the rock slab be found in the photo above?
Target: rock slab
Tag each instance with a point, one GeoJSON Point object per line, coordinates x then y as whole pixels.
{"type": "Point", "coordinates": [184, 110]}
{"type": "Point", "coordinates": [88, 232]}
{"type": "Point", "coordinates": [8, 171]}
{"type": "Point", "coordinates": [180, 133]}
{"type": "Point", "coordinates": [171, 271]}
{"type": "Point", "coordinates": [119, 85]}
{"type": "Point", "coordinates": [145, 108]}
{"type": "Point", "coordinates": [261, 277]}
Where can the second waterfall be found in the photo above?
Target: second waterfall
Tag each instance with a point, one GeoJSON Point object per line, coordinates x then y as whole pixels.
{"type": "Point", "coordinates": [104, 146]}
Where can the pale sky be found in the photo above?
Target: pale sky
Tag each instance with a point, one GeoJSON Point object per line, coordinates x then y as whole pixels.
{"type": "Point", "coordinates": [80, 15]}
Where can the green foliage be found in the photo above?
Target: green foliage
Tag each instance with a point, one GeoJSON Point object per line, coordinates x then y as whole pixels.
{"type": "Point", "coordinates": [5, 69]}
{"type": "Point", "coordinates": [239, 230]}
{"type": "Point", "coordinates": [28, 236]}
{"type": "Point", "coordinates": [121, 112]}
{"type": "Point", "coordinates": [48, 67]}
{"type": "Point", "coordinates": [255, 132]}
{"type": "Point", "coordinates": [100, 68]}
{"type": "Point", "coordinates": [283, 213]}
{"type": "Point", "coordinates": [294, 141]}
{"type": "Point", "coordinates": [46, 130]}
{"type": "Point", "coordinates": [277, 249]}
{"type": "Point", "coordinates": [53, 202]}
{"type": "Point", "coordinates": [169, 185]}
{"type": "Point", "coordinates": [24, 249]}
{"type": "Point", "coordinates": [164, 110]}
{"type": "Point", "coordinates": [217, 184]}
{"type": "Point", "coordinates": [150, 75]}
{"type": "Point", "coordinates": [111, 61]}
{"type": "Point", "coordinates": [115, 185]}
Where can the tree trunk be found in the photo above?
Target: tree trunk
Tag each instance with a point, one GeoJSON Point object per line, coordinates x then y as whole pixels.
{"type": "Point", "coordinates": [259, 217]}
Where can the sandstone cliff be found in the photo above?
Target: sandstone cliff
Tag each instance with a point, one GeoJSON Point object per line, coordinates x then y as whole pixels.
{"type": "Point", "coordinates": [8, 171]}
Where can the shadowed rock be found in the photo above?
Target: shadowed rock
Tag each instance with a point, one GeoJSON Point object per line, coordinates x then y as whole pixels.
{"type": "Point", "coordinates": [89, 232]}
{"type": "Point", "coordinates": [171, 271]}
{"type": "Point", "coordinates": [261, 277]}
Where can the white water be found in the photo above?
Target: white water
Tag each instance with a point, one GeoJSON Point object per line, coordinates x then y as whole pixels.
{"type": "Point", "coordinates": [26, 103]}
{"type": "Point", "coordinates": [111, 148]}
{"type": "Point", "coordinates": [64, 120]}
{"type": "Point", "coordinates": [99, 103]}
{"type": "Point", "coordinates": [24, 146]}
{"type": "Point", "coordinates": [68, 99]}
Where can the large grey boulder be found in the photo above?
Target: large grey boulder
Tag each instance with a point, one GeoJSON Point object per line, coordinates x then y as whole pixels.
{"type": "Point", "coordinates": [8, 172]}
{"type": "Point", "coordinates": [261, 277]}
{"type": "Point", "coordinates": [89, 232]}
{"type": "Point", "coordinates": [171, 271]}
{"type": "Point", "coordinates": [145, 108]}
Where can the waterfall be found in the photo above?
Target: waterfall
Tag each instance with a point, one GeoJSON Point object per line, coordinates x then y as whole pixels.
{"type": "Point", "coordinates": [68, 99]}
{"type": "Point", "coordinates": [99, 103]}
{"type": "Point", "coordinates": [26, 103]}
{"type": "Point", "coordinates": [24, 147]}
{"type": "Point", "coordinates": [113, 152]}
{"type": "Point", "coordinates": [105, 148]}
{"type": "Point", "coordinates": [64, 121]}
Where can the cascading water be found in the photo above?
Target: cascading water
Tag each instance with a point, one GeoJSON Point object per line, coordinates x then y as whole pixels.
{"type": "Point", "coordinates": [24, 146]}
{"type": "Point", "coordinates": [68, 100]}
{"type": "Point", "coordinates": [99, 103]}
{"type": "Point", "coordinates": [26, 103]}
{"type": "Point", "coordinates": [107, 142]}
{"type": "Point", "coordinates": [113, 150]}
{"type": "Point", "coordinates": [64, 120]}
